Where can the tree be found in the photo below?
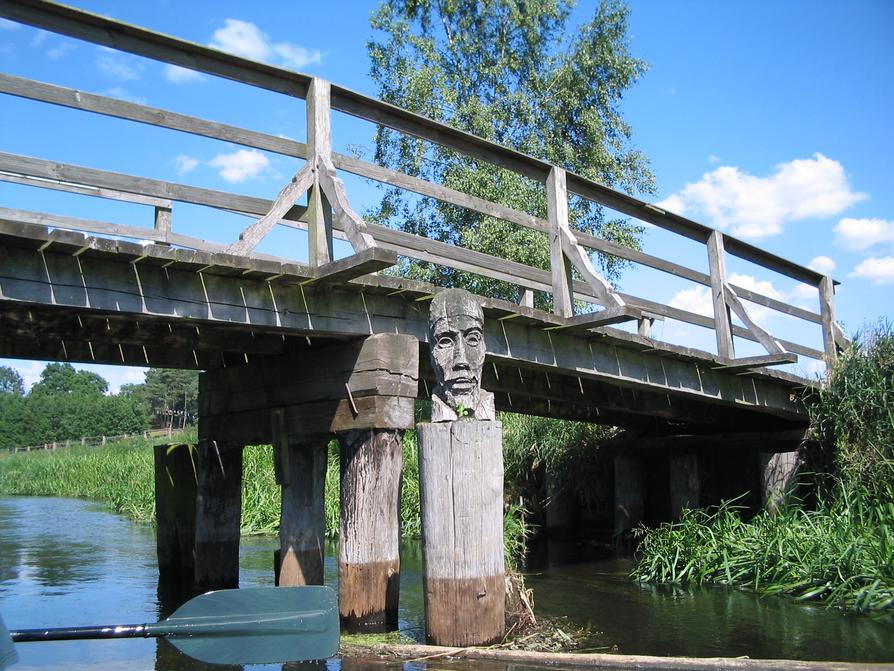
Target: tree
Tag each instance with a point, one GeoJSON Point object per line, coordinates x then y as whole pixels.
{"type": "Point", "coordinates": [62, 378]}
{"type": "Point", "coordinates": [11, 382]}
{"type": "Point", "coordinates": [172, 395]}
{"type": "Point", "coordinates": [513, 72]}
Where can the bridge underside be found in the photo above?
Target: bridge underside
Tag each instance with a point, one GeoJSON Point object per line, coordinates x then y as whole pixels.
{"type": "Point", "coordinates": [67, 297]}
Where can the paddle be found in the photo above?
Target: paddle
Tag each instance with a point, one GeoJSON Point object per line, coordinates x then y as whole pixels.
{"type": "Point", "coordinates": [235, 626]}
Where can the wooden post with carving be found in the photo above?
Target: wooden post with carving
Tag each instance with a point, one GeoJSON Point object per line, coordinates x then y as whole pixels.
{"type": "Point", "coordinates": [461, 484]}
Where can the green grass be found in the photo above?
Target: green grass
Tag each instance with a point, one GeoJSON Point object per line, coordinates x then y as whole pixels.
{"type": "Point", "coordinates": [839, 550]}
{"type": "Point", "coordinates": [122, 475]}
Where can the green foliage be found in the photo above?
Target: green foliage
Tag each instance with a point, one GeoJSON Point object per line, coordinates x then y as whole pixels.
{"type": "Point", "coordinates": [171, 396]}
{"type": "Point", "coordinates": [11, 382]}
{"type": "Point", "coordinates": [565, 450]}
{"type": "Point", "coordinates": [61, 379]}
{"type": "Point", "coordinates": [839, 552]}
{"type": "Point", "coordinates": [853, 416]}
{"type": "Point", "coordinates": [515, 73]}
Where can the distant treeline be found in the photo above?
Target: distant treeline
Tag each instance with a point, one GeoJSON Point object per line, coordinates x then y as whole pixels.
{"type": "Point", "coordinates": [67, 404]}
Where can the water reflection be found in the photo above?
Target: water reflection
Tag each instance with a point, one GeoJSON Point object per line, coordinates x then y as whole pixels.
{"type": "Point", "coordinates": [66, 562]}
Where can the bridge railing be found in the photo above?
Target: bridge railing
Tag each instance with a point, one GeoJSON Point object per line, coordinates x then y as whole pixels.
{"type": "Point", "coordinates": [329, 214]}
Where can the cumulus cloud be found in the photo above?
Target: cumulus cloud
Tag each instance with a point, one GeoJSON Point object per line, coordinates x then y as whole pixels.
{"type": "Point", "coordinates": [118, 66]}
{"type": "Point", "coordinates": [186, 164]}
{"type": "Point", "coordinates": [860, 234]}
{"type": "Point", "coordinates": [698, 299]}
{"type": "Point", "coordinates": [876, 270]}
{"type": "Point", "coordinates": [59, 51]}
{"type": "Point", "coordinates": [123, 94]}
{"type": "Point", "coordinates": [240, 165]}
{"type": "Point", "coordinates": [243, 38]}
{"type": "Point", "coordinates": [177, 75]}
{"type": "Point", "coordinates": [759, 207]}
{"type": "Point", "coordinates": [822, 264]}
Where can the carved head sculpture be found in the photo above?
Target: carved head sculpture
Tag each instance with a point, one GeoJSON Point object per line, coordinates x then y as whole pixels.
{"type": "Point", "coordinates": [456, 330]}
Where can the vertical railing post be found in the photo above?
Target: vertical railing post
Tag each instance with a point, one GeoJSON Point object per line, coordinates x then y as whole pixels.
{"type": "Point", "coordinates": [163, 222]}
{"type": "Point", "coordinates": [319, 143]}
{"type": "Point", "coordinates": [557, 211]}
{"type": "Point", "coordinates": [826, 288]}
{"type": "Point", "coordinates": [723, 327]}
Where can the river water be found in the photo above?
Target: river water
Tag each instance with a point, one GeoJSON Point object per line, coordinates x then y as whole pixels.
{"type": "Point", "coordinates": [67, 562]}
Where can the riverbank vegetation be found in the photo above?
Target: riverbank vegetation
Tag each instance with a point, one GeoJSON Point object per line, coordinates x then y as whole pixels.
{"type": "Point", "coordinates": [835, 545]}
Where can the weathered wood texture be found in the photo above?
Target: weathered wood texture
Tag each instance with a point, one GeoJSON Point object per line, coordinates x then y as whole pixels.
{"type": "Point", "coordinates": [461, 497]}
{"type": "Point", "coordinates": [198, 490]}
{"type": "Point", "coordinates": [684, 483]}
{"type": "Point", "coordinates": [369, 557]}
{"type": "Point", "coordinates": [218, 512]}
{"type": "Point", "coordinates": [629, 493]}
{"type": "Point", "coordinates": [175, 514]}
{"type": "Point", "coordinates": [722, 323]}
{"type": "Point", "coordinates": [302, 527]}
{"type": "Point", "coordinates": [779, 473]}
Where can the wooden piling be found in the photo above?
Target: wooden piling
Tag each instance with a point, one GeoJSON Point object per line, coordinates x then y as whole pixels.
{"type": "Point", "coordinates": [175, 514]}
{"type": "Point", "coordinates": [369, 558]}
{"type": "Point", "coordinates": [778, 479]}
{"type": "Point", "coordinates": [461, 491]}
{"type": "Point", "coordinates": [684, 484]}
{"type": "Point", "coordinates": [629, 494]}
{"type": "Point", "coordinates": [218, 511]}
{"type": "Point", "coordinates": [301, 472]}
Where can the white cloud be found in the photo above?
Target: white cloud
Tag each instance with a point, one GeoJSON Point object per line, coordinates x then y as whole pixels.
{"type": "Point", "coordinates": [876, 270]}
{"type": "Point", "coordinates": [822, 264]}
{"type": "Point", "coordinates": [177, 75]}
{"type": "Point", "coordinates": [123, 94]}
{"type": "Point", "coordinates": [240, 165]}
{"type": "Point", "coordinates": [186, 164]}
{"type": "Point", "coordinates": [60, 50]}
{"type": "Point", "coordinates": [697, 300]}
{"type": "Point", "coordinates": [713, 158]}
{"type": "Point", "coordinates": [6, 24]}
{"type": "Point", "coordinates": [246, 39]}
{"type": "Point", "coordinates": [40, 37]}
{"type": "Point", "coordinates": [118, 66]}
{"type": "Point", "coordinates": [759, 207]}
{"type": "Point", "coordinates": [860, 234]}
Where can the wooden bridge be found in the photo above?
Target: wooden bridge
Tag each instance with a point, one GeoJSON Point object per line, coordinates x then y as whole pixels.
{"type": "Point", "coordinates": [296, 351]}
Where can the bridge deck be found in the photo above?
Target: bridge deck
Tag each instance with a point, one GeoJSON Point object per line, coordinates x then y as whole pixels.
{"type": "Point", "coordinates": [65, 296]}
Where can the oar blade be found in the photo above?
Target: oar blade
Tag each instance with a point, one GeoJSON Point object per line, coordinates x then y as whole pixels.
{"type": "Point", "coordinates": [263, 625]}
{"type": "Point", "coordinates": [8, 654]}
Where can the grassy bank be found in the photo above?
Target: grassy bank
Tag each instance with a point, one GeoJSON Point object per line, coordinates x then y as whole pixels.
{"type": "Point", "coordinates": [122, 475]}
{"type": "Point", "coordinates": [839, 549]}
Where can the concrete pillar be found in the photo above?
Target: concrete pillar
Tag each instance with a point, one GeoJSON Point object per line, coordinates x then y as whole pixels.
{"type": "Point", "coordinates": [684, 487]}
{"type": "Point", "coordinates": [778, 478]}
{"type": "Point", "coordinates": [629, 493]}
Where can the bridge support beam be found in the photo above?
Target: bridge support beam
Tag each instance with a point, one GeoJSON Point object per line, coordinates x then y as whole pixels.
{"type": "Point", "coordinates": [629, 494]}
{"type": "Point", "coordinates": [778, 479]}
{"type": "Point", "coordinates": [369, 551]}
{"type": "Point", "coordinates": [198, 490]}
{"type": "Point", "coordinates": [684, 486]}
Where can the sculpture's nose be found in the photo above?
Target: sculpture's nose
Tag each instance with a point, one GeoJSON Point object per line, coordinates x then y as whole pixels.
{"type": "Point", "coordinates": [461, 358]}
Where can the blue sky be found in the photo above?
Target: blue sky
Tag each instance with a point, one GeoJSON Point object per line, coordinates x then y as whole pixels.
{"type": "Point", "coordinates": [769, 120]}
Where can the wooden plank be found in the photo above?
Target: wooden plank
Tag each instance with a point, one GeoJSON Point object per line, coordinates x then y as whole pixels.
{"type": "Point", "coordinates": [615, 315]}
{"type": "Point", "coordinates": [557, 208]}
{"type": "Point", "coordinates": [124, 37]}
{"type": "Point", "coordinates": [722, 323]}
{"type": "Point", "coordinates": [581, 261]}
{"type": "Point", "coordinates": [121, 109]}
{"type": "Point", "coordinates": [302, 527]}
{"type": "Point", "coordinates": [763, 336]}
{"type": "Point", "coordinates": [363, 263]}
{"type": "Point", "coordinates": [139, 185]}
{"type": "Point", "coordinates": [827, 309]}
{"type": "Point", "coordinates": [752, 362]}
{"type": "Point", "coordinates": [319, 141]}
{"type": "Point", "coordinates": [438, 191]}
{"type": "Point", "coordinates": [109, 194]}
{"type": "Point", "coordinates": [285, 201]}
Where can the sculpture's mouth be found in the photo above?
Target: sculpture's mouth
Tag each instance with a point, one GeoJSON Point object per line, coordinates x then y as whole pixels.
{"type": "Point", "coordinates": [462, 383]}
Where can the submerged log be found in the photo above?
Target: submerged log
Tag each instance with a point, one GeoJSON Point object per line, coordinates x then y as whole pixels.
{"type": "Point", "coordinates": [369, 558]}
{"type": "Point", "coordinates": [461, 491]}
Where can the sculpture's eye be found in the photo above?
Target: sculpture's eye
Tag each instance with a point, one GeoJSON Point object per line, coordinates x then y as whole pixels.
{"type": "Point", "coordinates": [473, 338]}
{"type": "Point", "coordinates": [445, 341]}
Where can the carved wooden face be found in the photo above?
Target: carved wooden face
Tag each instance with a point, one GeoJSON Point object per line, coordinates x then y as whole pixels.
{"type": "Point", "coordinates": [457, 353]}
